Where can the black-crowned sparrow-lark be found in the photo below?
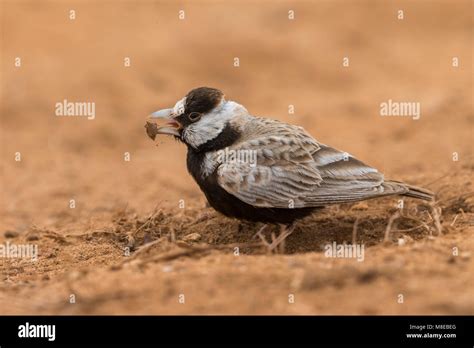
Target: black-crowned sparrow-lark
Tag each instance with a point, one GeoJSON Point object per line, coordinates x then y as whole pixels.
{"type": "Point", "coordinates": [262, 170]}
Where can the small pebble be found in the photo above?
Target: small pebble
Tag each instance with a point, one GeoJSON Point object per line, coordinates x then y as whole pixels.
{"type": "Point", "coordinates": [10, 234]}
{"type": "Point", "coordinates": [466, 255]}
{"type": "Point", "coordinates": [192, 237]}
{"type": "Point", "coordinates": [360, 206]}
{"type": "Point", "coordinates": [167, 268]}
{"type": "Point", "coordinates": [32, 236]}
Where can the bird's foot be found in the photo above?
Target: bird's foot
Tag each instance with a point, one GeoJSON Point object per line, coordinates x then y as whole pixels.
{"type": "Point", "coordinates": [277, 243]}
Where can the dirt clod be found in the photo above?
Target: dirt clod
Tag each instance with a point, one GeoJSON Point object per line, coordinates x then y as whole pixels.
{"type": "Point", "coordinates": [10, 234]}
{"type": "Point", "coordinates": [192, 237]}
{"type": "Point", "coordinates": [151, 130]}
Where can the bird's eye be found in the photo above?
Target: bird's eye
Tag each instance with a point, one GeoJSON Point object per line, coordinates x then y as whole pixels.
{"type": "Point", "coordinates": [194, 116]}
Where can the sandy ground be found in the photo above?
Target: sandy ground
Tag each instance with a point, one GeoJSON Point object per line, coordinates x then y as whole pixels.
{"type": "Point", "coordinates": [127, 247]}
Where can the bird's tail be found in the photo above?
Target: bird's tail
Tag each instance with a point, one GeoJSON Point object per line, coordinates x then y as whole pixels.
{"type": "Point", "coordinates": [412, 191]}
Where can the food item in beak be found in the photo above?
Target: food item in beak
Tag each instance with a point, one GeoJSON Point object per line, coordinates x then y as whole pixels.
{"type": "Point", "coordinates": [171, 127]}
{"type": "Point", "coordinates": [151, 130]}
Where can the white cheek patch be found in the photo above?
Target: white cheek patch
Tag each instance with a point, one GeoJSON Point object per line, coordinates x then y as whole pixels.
{"type": "Point", "coordinates": [212, 124]}
{"type": "Point", "coordinates": [202, 131]}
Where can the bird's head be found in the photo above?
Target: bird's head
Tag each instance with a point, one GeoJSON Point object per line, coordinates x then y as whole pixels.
{"type": "Point", "coordinates": [198, 117]}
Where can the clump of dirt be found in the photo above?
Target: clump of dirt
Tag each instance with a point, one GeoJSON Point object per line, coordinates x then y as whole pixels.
{"type": "Point", "coordinates": [151, 130]}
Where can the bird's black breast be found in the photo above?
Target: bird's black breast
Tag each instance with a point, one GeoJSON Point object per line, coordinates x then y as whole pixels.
{"type": "Point", "coordinates": [224, 202]}
{"type": "Point", "coordinates": [195, 157]}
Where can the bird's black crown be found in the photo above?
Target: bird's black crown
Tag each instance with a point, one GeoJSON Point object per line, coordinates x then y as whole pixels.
{"type": "Point", "coordinates": [202, 100]}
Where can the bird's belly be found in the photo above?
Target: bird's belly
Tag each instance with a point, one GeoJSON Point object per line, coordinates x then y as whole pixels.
{"type": "Point", "coordinates": [231, 206]}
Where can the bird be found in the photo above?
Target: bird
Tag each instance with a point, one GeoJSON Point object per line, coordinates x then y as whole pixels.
{"type": "Point", "coordinates": [283, 173]}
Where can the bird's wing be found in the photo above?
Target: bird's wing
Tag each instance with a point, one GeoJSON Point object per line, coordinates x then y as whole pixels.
{"type": "Point", "coordinates": [291, 169]}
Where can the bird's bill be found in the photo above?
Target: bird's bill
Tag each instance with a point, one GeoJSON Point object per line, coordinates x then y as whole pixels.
{"type": "Point", "coordinates": [170, 128]}
{"type": "Point", "coordinates": [165, 113]}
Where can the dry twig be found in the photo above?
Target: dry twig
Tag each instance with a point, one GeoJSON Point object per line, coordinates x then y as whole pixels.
{"type": "Point", "coordinates": [354, 231]}
{"type": "Point", "coordinates": [389, 225]}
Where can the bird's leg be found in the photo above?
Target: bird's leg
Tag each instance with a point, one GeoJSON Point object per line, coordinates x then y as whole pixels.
{"type": "Point", "coordinates": [285, 231]}
{"type": "Point", "coordinates": [261, 236]}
